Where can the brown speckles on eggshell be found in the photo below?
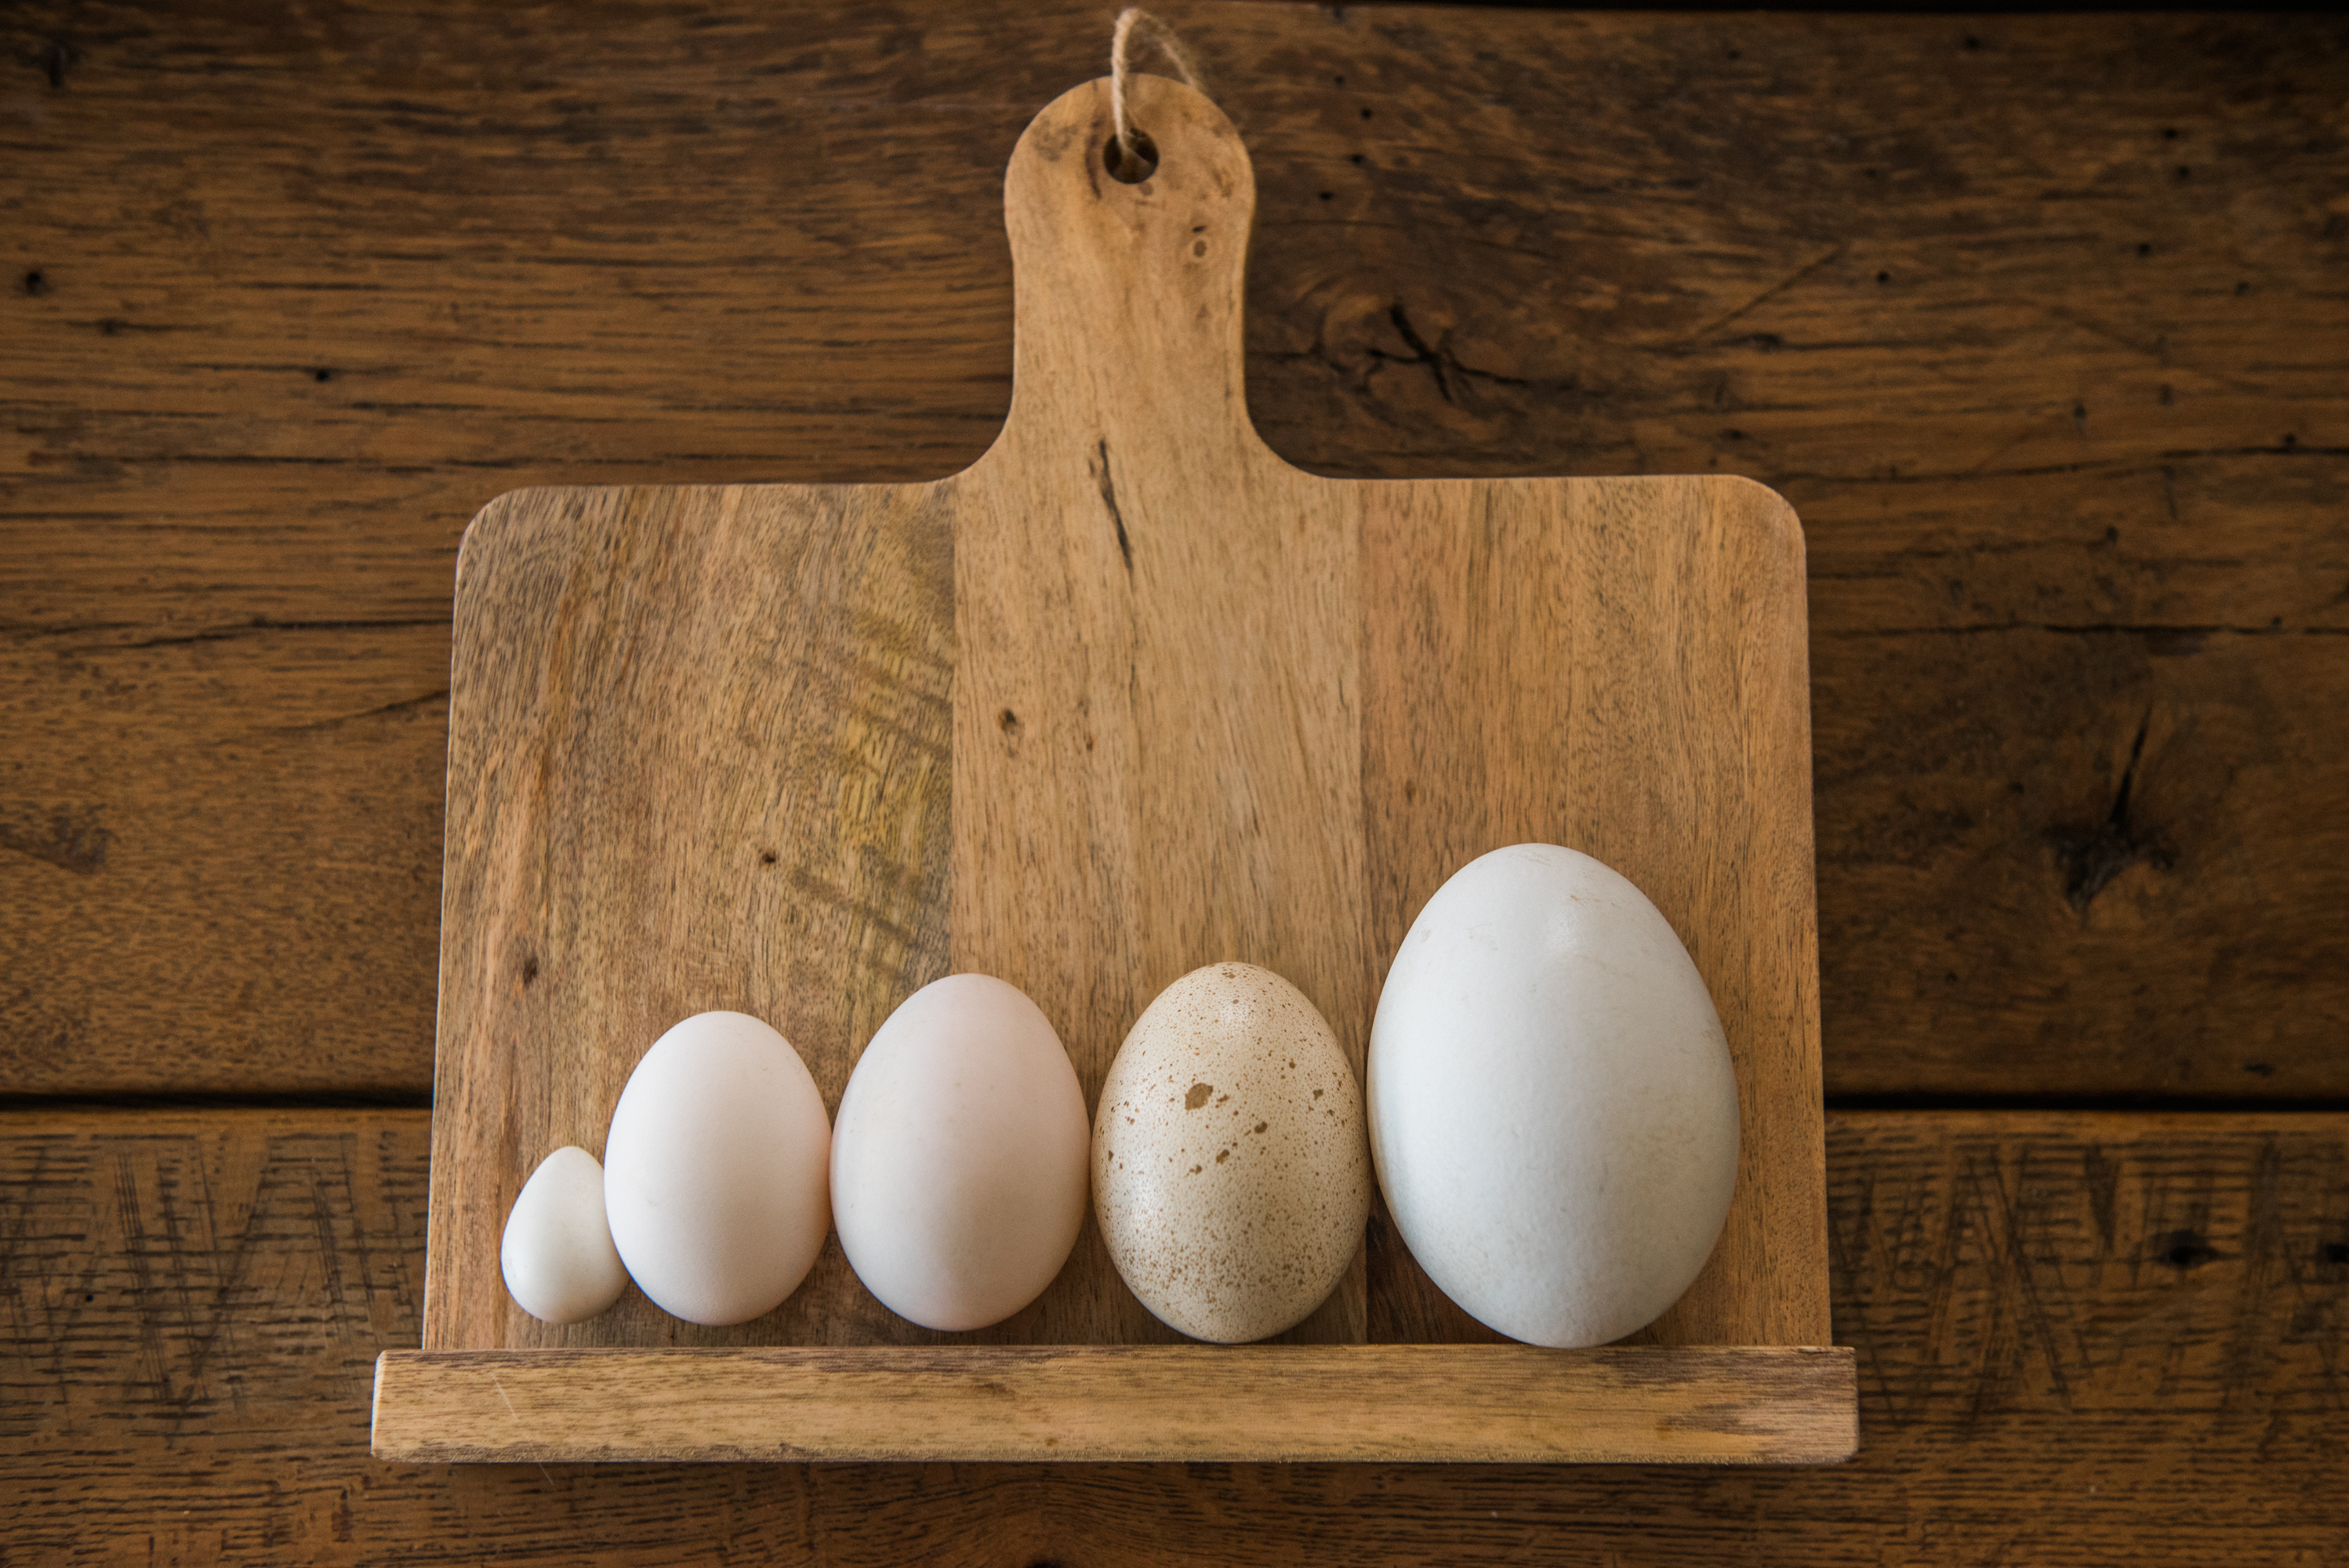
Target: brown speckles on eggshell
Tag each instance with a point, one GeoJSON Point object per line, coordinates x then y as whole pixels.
{"type": "Point", "coordinates": [1234, 1249]}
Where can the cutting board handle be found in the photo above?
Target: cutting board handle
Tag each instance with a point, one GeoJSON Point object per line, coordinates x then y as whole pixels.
{"type": "Point", "coordinates": [1128, 297]}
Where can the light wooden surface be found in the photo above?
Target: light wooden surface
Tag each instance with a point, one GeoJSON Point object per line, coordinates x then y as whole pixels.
{"type": "Point", "coordinates": [2066, 428]}
{"type": "Point", "coordinates": [1618, 665]}
{"type": "Point", "coordinates": [682, 779]}
{"type": "Point", "coordinates": [2079, 1338]}
{"type": "Point", "coordinates": [1487, 1404]}
{"type": "Point", "coordinates": [697, 759]}
{"type": "Point", "coordinates": [1157, 707]}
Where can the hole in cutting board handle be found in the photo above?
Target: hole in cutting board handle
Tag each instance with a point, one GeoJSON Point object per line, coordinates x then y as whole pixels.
{"type": "Point", "coordinates": [1133, 171]}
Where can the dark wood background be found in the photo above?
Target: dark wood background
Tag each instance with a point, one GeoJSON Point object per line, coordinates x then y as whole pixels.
{"type": "Point", "coordinates": [2041, 323]}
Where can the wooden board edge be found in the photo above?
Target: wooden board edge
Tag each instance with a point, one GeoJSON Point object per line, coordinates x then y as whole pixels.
{"type": "Point", "coordinates": [1495, 1404]}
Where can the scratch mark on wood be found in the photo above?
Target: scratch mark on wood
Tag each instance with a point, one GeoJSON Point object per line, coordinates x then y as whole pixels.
{"type": "Point", "coordinates": [75, 839]}
{"type": "Point", "coordinates": [1116, 514]}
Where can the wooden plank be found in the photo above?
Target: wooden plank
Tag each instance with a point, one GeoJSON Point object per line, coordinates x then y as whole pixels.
{"type": "Point", "coordinates": [2079, 1338]}
{"type": "Point", "coordinates": [227, 845]}
{"type": "Point", "coordinates": [2102, 772]}
{"type": "Point", "coordinates": [1646, 1404]}
{"type": "Point", "coordinates": [2047, 404]}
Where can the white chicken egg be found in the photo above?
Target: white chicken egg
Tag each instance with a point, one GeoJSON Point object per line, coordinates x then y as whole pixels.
{"type": "Point", "coordinates": [1553, 1108]}
{"type": "Point", "coordinates": [958, 1159]}
{"type": "Point", "coordinates": [1230, 1174]}
{"type": "Point", "coordinates": [556, 1253]}
{"type": "Point", "coordinates": [715, 1179]}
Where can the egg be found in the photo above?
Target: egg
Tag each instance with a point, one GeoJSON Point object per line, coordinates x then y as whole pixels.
{"type": "Point", "coordinates": [556, 1253]}
{"type": "Point", "coordinates": [1231, 1175]}
{"type": "Point", "coordinates": [958, 1158]}
{"type": "Point", "coordinates": [715, 1179]}
{"type": "Point", "coordinates": [1553, 1108]}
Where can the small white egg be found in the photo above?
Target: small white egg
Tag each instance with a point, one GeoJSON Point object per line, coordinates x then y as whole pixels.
{"type": "Point", "coordinates": [958, 1158]}
{"type": "Point", "coordinates": [715, 1171]}
{"type": "Point", "coordinates": [1230, 1173]}
{"type": "Point", "coordinates": [1553, 1107]}
{"type": "Point", "coordinates": [557, 1254]}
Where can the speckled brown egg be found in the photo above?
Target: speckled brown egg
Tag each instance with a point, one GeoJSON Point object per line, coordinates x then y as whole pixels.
{"type": "Point", "coordinates": [1231, 1167]}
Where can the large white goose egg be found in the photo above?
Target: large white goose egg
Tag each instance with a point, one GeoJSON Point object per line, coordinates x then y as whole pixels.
{"type": "Point", "coordinates": [715, 1171]}
{"type": "Point", "coordinates": [1552, 1110]}
{"type": "Point", "coordinates": [958, 1159]}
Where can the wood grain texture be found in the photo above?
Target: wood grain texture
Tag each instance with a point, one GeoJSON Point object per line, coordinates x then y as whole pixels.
{"type": "Point", "coordinates": [2081, 1339]}
{"type": "Point", "coordinates": [1289, 1403]}
{"type": "Point", "coordinates": [1157, 737]}
{"type": "Point", "coordinates": [681, 778]}
{"type": "Point", "coordinates": [697, 760]}
{"type": "Point", "coordinates": [2032, 318]}
{"type": "Point", "coordinates": [1618, 665]}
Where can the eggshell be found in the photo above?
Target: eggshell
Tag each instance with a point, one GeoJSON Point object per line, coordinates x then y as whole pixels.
{"type": "Point", "coordinates": [715, 1170]}
{"type": "Point", "coordinates": [1553, 1109]}
{"type": "Point", "coordinates": [1231, 1176]}
{"type": "Point", "coordinates": [958, 1159]}
{"type": "Point", "coordinates": [556, 1255]}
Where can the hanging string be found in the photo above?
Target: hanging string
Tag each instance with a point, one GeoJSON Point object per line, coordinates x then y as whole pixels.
{"type": "Point", "coordinates": [1134, 19]}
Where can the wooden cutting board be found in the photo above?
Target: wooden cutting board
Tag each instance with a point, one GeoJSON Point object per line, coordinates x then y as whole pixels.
{"type": "Point", "coordinates": [1128, 695]}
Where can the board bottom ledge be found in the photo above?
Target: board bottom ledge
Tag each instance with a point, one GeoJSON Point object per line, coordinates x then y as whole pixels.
{"type": "Point", "coordinates": [1646, 1404]}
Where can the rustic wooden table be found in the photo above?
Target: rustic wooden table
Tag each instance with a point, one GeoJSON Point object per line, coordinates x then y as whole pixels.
{"type": "Point", "coordinates": [2040, 322]}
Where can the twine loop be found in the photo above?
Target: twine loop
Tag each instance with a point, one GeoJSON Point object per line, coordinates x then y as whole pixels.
{"type": "Point", "coordinates": [1134, 157]}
